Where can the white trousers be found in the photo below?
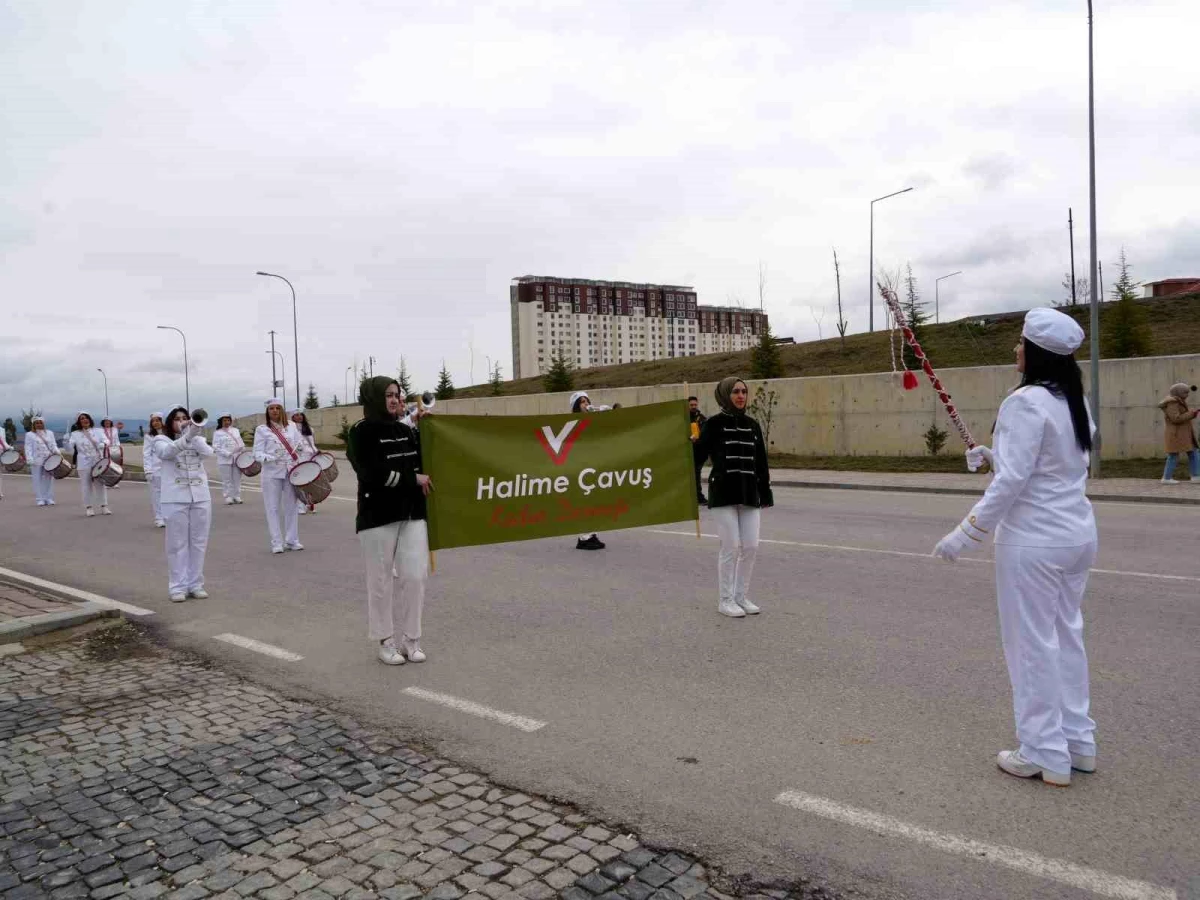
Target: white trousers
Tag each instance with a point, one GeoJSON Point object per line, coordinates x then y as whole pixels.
{"type": "Point", "coordinates": [280, 497]}
{"type": "Point", "coordinates": [738, 529]}
{"type": "Point", "coordinates": [92, 490]}
{"type": "Point", "coordinates": [231, 481]}
{"type": "Point", "coordinates": [156, 495]}
{"type": "Point", "coordinates": [403, 548]}
{"type": "Point", "coordinates": [43, 483]}
{"type": "Point", "coordinates": [1039, 590]}
{"type": "Point", "coordinates": [187, 543]}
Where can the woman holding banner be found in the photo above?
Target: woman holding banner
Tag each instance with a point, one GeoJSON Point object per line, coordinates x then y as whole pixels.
{"type": "Point", "coordinates": [386, 456]}
{"type": "Point", "coordinates": [582, 403]}
{"type": "Point", "coordinates": [739, 487]}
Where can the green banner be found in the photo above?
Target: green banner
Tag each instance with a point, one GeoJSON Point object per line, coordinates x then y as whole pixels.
{"type": "Point", "coordinates": [517, 478]}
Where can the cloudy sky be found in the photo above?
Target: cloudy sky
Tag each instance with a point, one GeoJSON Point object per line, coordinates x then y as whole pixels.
{"type": "Point", "coordinates": [401, 161]}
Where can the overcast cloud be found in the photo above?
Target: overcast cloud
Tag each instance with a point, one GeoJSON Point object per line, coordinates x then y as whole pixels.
{"type": "Point", "coordinates": [400, 162]}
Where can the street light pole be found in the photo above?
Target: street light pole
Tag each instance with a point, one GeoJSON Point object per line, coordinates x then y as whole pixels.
{"type": "Point", "coordinates": [1095, 318]}
{"type": "Point", "coordinates": [274, 380]}
{"type": "Point", "coordinates": [871, 260]}
{"type": "Point", "coordinates": [187, 392]}
{"type": "Point", "coordinates": [295, 330]}
{"type": "Point", "coordinates": [101, 371]}
{"type": "Point", "coordinates": [282, 372]}
{"type": "Point", "coordinates": [936, 304]}
{"type": "Point", "coordinates": [346, 384]}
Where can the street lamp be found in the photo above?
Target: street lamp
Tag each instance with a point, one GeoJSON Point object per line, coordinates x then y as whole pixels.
{"type": "Point", "coordinates": [282, 375]}
{"type": "Point", "coordinates": [295, 333]}
{"type": "Point", "coordinates": [101, 371]}
{"type": "Point", "coordinates": [871, 260]}
{"type": "Point", "coordinates": [1095, 318]}
{"type": "Point", "coordinates": [187, 395]}
{"type": "Point", "coordinates": [936, 282]}
{"type": "Point", "coordinates": [346, 384]}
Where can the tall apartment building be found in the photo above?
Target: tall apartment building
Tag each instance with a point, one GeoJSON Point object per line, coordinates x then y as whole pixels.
{"type": "Point", "coordinates": [604, 323]}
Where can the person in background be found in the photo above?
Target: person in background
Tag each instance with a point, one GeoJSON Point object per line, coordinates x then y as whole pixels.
{"type": "Point", "coordinates": [1037, 509]}
{"type": "Point", "coordinates": [697, 422]}
{"type": "Point", "coordinates": [86, 445]}
{"type": "Point", "coordinates": [186, 503]}
{"type": "Point", "coordinates": [274, 447]}
{"type": "Point", "coordinates": [306, 449]}
{"type": "Point", "coordinates": [391, 521]}
{"type": "Point", "coordinates": [582, 403]}
{"type": "Point", "coordinates": [739, 488]}
{"type": "Point", "coordinates": [39, 447]}
{"type": "Point", "coordinates": [227, 443]}
{"type": "Point", "coordinates": [151, 465]}
{"type": "Point", "coordinates": [1180, 434]}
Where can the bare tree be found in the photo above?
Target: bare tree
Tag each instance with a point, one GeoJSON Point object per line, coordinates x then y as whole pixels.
{"type": "Point", "coordinates": [842, 324]}
{"type": "Point", "coordinates": [818, 320]}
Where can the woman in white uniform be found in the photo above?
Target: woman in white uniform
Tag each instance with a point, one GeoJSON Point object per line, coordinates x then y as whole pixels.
{"type": "Point", "coordinates": [580, 402]}
{"type": "Point", "coordinates": [39, 447]}
{"type": "Point", "coordinates": [151, 466]}
{"type": "Point", "coordinates": [275, 446]}
{"type": "Point", "coordinates": [186, 503]}
{"type": "Point", "coordinates": [228, 443]}
{"type": "Point", "coordinates": [87, 443]}
{"type": "Point", "coordinates": [306, 450]}
{"type": "Point", "coordinates": [1045, 544]}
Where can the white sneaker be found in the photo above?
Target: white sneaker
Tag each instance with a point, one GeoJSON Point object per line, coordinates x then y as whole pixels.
{"type": "Point", "coordinates": [41, 503]}
{"type": "Point", "coordinates": [389, 655]}
{"type": "Point", "coordinates": [412, 651]}
{"type": "Point", "coordinates": [199, 594]}
{"type": "Point", "coordinates": [1083, 763]}
{"type": "Point", "coordinates": [105, 511]}
{"type": "Point", "coordinates": [90, 512]}
{"type": "Point", "coordinates": [731, 609]}
{"type": "Point", "coordinates": [159, 523]}
{"type": "Point", "coordinates": [237, 500]}
{"type": "Point", "coordinates": [276, 549]}
{"type": "Point", "coordinates": [296, 546]}
{"type": "Point", "coordinates": [750, 608]}
{"type": "Point", "coordinates": [303, 511]}
{"type": "Point", "coordinates": [49, 502]}
{"type": "Point", "coordinates": [229, 501]}
{"type": "Point", "coordinates": [1170, 481]}
{"type": "Point", "coordinates": [178, 597]}
{"type": "Point", "coordinates": [1012, 762]}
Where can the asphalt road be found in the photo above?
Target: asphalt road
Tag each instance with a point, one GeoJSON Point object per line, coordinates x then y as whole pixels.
{"type": "Point", "coordinates": [873, 681]}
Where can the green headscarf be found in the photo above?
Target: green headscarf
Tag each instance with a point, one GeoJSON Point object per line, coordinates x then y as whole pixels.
{"type": "Point", "coordinates": [724, 395]}
{"type": "Point", "coordinates": [373, 397]}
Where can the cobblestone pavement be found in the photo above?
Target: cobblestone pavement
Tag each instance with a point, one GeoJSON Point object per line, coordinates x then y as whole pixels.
{"type": "Point", "coordinates": [151, 775]}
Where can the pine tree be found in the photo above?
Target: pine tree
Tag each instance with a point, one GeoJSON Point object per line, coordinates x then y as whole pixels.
{"type": "Point", "coordinates": [765, 359]}
{"type": "Point", "coordinates": [1125, 287]}
{"type": "Point", "coordinates": [1125, 332]}
{"type": "Point", "coordinates": [27, 417]}
{"type": "Point", "coordinates": [914, 311]}
{"type": "Point", "coordinates": [310, 399]}
{"type": "Point", "coordinates": [445, 387]}
{"type": "Point", "coordinates": [336, 402]}
{"type": "Point", "coordinates": [559, 376]}
{"type": "Point", "coordinates": [403, 380]}
{"type": "Point", "coordinates": [496, 381]}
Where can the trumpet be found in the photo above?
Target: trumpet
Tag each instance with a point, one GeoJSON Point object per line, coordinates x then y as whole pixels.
{"type": "Point", "coordinates": [199, 417]}
{"type": "Point", "coordinates": [425, 402]}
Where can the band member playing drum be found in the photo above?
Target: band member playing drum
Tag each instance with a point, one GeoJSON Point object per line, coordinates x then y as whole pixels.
{"type": "Point", "coordinates": [307, 449]}
{"type": "Point", "coordinates": [227, 442]}
{"type": "Point", "coordinates": [87, 443]}
{"type": "Point", "coordinates": [39, 447]}
{"type": "Point", "coordinates": [151, 465]}
{"type": "Point", "coordinates": [186, 503]}
{"type": "Point", "coordinates": [275, 447]}
{"type": "Point", "coordinates": [386, 456]}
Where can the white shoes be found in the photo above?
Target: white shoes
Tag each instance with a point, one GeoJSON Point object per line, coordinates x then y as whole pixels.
{"type": "Point", "coordinates": [1012, 762]}
{"type": "Point", "coordinates": [159, 523]}
{"type": "Point", "coordinates": [49, 502]}
{"type": "Point", "coordinates": [302, 511]}
{"type": "Point", "coordinates": [749, 608]}
{"type": "Point", "coordinates": [1170, 481]}
{"type": "Point", "coordinates": [41, 503]}
{"type": "Point", "coordinates": [389, 655]}
{"type": "Point", "coordinates": [105, 511]}
{"type": "Point", "coordinates": [237, 500]}
{"type": "Point", "coordinates": [731, 609]}
{"type": "Point", "coordinates": [229, 501]}
{"type": "Point", "coordinates": [276, 549]}
{"type": "Point", "coordinates": [1083, 763]}
{"type": "Point", "coordinates": [412, 651]}
{"type": "Point", "coordinates": [178, 597]}
{"type": "Point", "coordinates": [296, 546]}
{"type": "Point", "coordinates": [199, 594]}
{"type": "Point", "coordinates": [89, 512]}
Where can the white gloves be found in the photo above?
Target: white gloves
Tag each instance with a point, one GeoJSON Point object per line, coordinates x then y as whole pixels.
{"type": "Point", "coordinates": [965, 536]}
{"type": "Point", "coordinates": [977, 456]}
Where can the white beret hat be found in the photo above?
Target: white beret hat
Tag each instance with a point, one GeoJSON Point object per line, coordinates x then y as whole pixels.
{"type": "Point", "coordinates": [1052, 331]}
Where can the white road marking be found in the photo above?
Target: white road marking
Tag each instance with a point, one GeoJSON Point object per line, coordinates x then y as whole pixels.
{"type": "Point", "coordinates": [476, 709]}
{"type": "Point", "coordinates": [1093, 880]}
{"type": "Point", "coordinates": [214, 485]}
{"type": "Point", "coordinates": [76, 593]}
{"type": "Point", "coordinates": [929, 556]}
{"type": "Point", "coordinates": [258, 647]}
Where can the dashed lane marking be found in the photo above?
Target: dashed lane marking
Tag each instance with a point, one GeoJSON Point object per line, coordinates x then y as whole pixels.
{"type": "Point", "coordinates": [258, 647]}
{"type": "Point", "coordinates": [522, 723]}
{"type": "Point", "coordinates": [1096, 881]}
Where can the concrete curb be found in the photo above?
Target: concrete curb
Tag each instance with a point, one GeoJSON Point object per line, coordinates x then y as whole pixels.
{"type": "Point", "coordinates": [964, 492]}
{"type": "Point", "coordinates": [29, 626]}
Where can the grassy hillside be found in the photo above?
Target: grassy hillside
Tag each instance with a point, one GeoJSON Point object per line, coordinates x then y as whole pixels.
{"type": "Point", "coordinates": [1174, 324]}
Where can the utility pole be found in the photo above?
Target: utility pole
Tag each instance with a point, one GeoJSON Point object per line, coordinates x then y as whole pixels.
{"type": "Point", "coordinates": [1071, 231]}
{"type": "Point", "coordinates": [274, 380]}
{"type": "Point", "coordinates": [371, 365]}
{"type": "Point", "coordinates": [1095, 317]}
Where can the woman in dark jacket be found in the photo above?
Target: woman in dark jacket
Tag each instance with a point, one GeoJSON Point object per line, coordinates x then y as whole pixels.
{"type": "Point", "coordinates": [739, 486]}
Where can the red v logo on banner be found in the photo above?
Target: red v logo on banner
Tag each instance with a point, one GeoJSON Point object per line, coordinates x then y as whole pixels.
{"type": "Point", "coordinates": [558, 446]}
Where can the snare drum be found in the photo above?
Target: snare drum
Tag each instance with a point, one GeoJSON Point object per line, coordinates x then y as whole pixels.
{"type": "Point", "coordinates": [247, 464]}
{"type": "Point", "coordinates": [328, 464]}
{"type": "Point", "coordinates": [11, 460]}
{"type": "Point", "coordinates": [57, 465]}
{"type": "Point", "coordinates": [107, 472]}
{"type": "Point", "coordinates": [308, 478]}
{"type": "Point", "coordinates": [116, 454]}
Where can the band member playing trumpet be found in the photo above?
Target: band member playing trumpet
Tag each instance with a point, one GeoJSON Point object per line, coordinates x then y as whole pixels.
{"type": "Point", "coordinates": [227, 442]}
{"type": "Point", "coordinates": [306, 449]}
{"type": "Point", "coordinates": [39, 447]}
{"type": "Point", "coordinates": [186, 502]}
{"type": "Point", "coordinates": [151, 466]}
{"type": "Point", "coordinates": [386, 456]}
{"type": "Point", "coordinates": [275, 447]}
{"type": "Point", "coordinates": [87, 443]}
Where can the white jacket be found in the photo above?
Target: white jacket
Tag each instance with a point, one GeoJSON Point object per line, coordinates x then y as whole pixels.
{"type": "Point", "coordinates": [114, 442]}
{"type": "Point", "coordinates": [39, 446]}
{"type": "Point", "coordinates": [88, 443]}
{"type": "Point", "coordinates": [181, 468]}
{"type": "Point", "coordinates": [228, 443]}
{"type": "Point", "coordinates": [150, 461]}
{"type": "Point", "coordinates": [1038, 495]}
{"type": "Point", "coordinates": [275, 459]}
{"type": "Point", "coordinates": [308, 445]}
